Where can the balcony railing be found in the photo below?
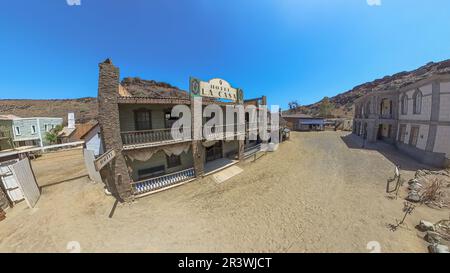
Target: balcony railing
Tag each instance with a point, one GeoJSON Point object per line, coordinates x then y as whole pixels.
{"type": "Point", "coordinates": [133, 139]}
{"type": "Point", "coordinates": [151, 136]}
{"type": "Point", "coordinates": [220, 132]}
{"type": "Point", "coordinates": [156, 183]}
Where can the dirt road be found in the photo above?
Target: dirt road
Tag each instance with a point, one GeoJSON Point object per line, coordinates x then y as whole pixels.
{"type": "Point", "coordinates": [317, 193]}
{"type": "Point", "coordinates": [58, 167]}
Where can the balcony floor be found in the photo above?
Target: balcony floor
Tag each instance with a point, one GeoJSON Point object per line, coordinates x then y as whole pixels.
{"type": "Point", "coordinates": [153, 144]}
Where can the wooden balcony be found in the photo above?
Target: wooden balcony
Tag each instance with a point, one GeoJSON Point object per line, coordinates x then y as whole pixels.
{"type": "Point", "coordinates": [157, 137]}
{"type": "Point", "coordinates": [155, 184]}
{"type": "Point", "coordinates": [222, 133]}
{"type": "Point", "coordinates": [150, 138]}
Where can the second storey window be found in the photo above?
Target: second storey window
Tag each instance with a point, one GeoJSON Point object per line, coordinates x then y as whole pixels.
{"type": "Point", "coordinates": [33, 129]}
{"type": "Point", "coordinates": [404, 104]}
{"type": "Point", "coordinates": [417, 102]}
{"type": "Point", "coordinates": [142, 119]}
{"type": "Point", "coordinates": [17, 130]}
{"type": "Point", "coordinates": [168, 119]}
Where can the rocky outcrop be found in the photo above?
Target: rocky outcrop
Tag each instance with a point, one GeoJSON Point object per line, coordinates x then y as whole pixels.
{"type": "Point", "coordinates": [149, 88]}
{"type": "Point", "coordinates": [85, 109]}
{"type": "Point", "coordinates": [344, 102]}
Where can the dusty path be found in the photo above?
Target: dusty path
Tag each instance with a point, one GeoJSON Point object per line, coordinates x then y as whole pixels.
{"type": "Point", "coordinates": [60, 166]}
{"type": "Point", "coordinates": [315, 194]}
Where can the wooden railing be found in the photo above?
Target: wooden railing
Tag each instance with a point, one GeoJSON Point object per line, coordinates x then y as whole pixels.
{"type": "Point", "coordinates": [221, 131]}
{"type": "Point", "coordinates": [150, 136]}
{"type": "Point", "coordinates": [155, 183]}
{"type": "Point", "coordinates": [165, 134]}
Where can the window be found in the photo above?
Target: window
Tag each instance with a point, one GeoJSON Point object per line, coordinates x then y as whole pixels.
{"type": "Point", "coordinates": [33, 129]}
{"type": "Point", "coordinates": [17, 130]}
{"type": "Point", "coordinates": [402, 133]}
{"type": "Point", "coordinates": [173, 161]}
{"type": "Point", "coordinates": [417, 107]}
{"type": "Point", "coordinates": [414, 136]}
{"type": "Point", "coordinates": [404, 106]}
{"type": "Point", "coordinates": [142, 119]}
{"type": "Point", "coordinates": [168, 119]}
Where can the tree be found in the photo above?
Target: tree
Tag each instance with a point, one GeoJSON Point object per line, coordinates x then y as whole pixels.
{"type": "Point", "coordinates": [52, 136]}
{"type": "Point", "coordinates": [325, 107]}
{"type": "Point", "coordinates": [293, 105]}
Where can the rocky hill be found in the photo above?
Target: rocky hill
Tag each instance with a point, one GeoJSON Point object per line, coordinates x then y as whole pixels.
{"type": "Point", "coordinates": [344, 102]}
{"type": "Point", "coordinates": [86, 108]}
{"type": "Point", "coordinates": [149, 88]}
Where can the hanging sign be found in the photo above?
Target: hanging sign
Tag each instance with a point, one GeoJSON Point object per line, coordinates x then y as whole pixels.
{"type": "Point", "coordinates": [215, 88]}
{"type": "Point", "coordinates": [104, 159]}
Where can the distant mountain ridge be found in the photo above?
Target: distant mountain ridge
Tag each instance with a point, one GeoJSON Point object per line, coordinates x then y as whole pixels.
{"type": "Point", "coordinates": [344, 102]}
{"type": "Point", "coordinates": [86, 108]}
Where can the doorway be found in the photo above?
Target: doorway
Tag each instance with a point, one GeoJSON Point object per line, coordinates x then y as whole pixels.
{"type": "Point", "coordinates": [214, 152]}
{"type": "Point", "coordinates": [380, 132]}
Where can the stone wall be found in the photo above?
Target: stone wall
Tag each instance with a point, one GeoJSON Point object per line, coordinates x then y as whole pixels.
{"type": "Point", "coordinates": [115, 174]}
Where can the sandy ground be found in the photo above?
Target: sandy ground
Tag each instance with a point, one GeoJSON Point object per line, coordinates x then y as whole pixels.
{"type": "Point", "coordinates": [317, 193]}
{"type": "Point", "coordinates": [60, 166]}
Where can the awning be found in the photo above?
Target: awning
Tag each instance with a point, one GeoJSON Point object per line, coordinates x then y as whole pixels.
{"type": "Point", "coordinates": [312, 122]}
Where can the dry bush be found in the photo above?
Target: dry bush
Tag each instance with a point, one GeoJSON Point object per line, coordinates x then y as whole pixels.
{"type": "Point", "coordinates": [434, 193]}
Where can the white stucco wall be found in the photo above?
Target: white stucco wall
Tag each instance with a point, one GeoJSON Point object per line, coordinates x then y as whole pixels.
{"type": "Point", "coordinates": [422, 138]}
{"type": "Point", "coordinates": [93, 141]}
{"type": "Point", "coordinates": [442, 142]}
{"type": "Point", "coordinates": [444, 107]}
{"type": "Point", "coordinates": [426, 104]}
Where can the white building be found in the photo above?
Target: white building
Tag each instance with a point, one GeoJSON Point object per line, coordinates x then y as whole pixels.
{"type": "Point", "coordinates": [415, 118]}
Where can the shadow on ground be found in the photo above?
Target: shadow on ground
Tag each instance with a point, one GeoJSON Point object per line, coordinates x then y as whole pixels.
{"type": "Point", "coordinates": [387, 150]}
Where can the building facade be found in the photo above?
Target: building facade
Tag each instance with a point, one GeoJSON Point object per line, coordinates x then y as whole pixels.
{"type": "Point", "coordinates": [415, 118]}
{"type": "Point", "coordinates": [138, 129]}
{"type": "Point", "coordinates": [92, 140]}
{"type": "Point", "coordinates": [303, 122]}
{"type": "Point", "coordinates": [26, 131]}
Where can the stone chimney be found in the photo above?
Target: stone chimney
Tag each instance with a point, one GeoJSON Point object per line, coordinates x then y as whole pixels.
{"type": "Point", "coordinates": [115, 175]}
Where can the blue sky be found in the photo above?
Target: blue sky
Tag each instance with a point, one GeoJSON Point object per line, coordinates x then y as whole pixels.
{"type": "Point", "coordinates": [285, 49]}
